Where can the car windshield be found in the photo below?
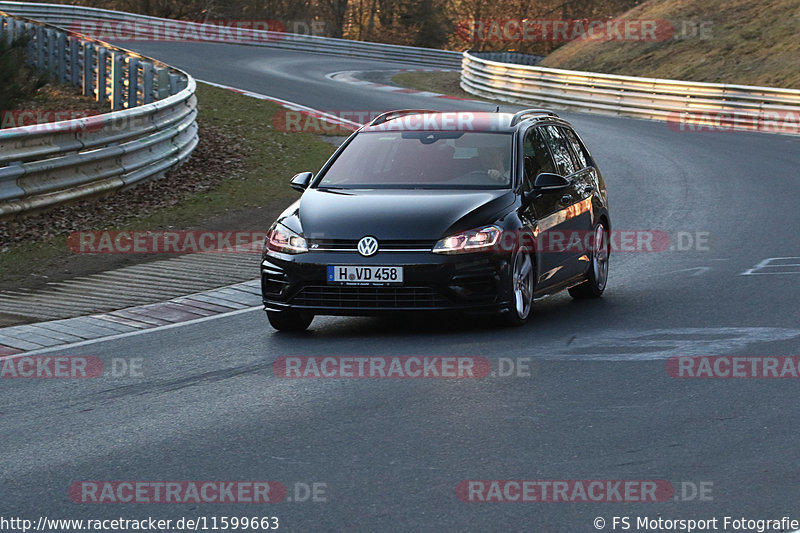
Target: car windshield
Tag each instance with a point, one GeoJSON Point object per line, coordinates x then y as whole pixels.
{"type": "Point", "coordinates": [423, 159]}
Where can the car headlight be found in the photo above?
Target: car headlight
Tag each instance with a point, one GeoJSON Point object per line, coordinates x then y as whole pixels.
{"type": "Point", "coordinates": [469, 241]}
{"type": "Point", "coordinates": [282, 239]}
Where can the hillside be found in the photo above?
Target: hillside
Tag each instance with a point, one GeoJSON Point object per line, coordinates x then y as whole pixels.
{"type": "Point", "coordinates": [751, 42]}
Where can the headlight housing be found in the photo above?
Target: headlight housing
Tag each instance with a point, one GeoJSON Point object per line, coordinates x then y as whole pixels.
{"type": "Point", "coordinates": [282, 239]}
{"type": "Point", "coordinates": [476, 240]}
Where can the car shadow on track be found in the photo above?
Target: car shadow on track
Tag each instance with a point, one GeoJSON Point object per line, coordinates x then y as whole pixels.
{"type": "Point", "coordinates": [554, 313]}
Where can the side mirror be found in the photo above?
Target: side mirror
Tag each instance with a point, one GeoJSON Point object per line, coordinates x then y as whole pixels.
{"type": "Point", "coordinates": [301, 181]}
{"type": "Point", "coordinates": [546, 182]}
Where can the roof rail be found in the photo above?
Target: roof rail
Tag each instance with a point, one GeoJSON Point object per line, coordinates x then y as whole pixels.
{"type": "Point", "coordinates": [520, 115]}
{"type": "Point", "coordinates": [384, 117]}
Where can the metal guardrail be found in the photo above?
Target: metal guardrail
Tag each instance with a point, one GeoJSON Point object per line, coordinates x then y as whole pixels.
{"type": "Point", "coordinates": [710, 104]}
{"type": "Point", "coordinates": [66, 15]}
{"type": "Point", "coordinates": [152, 129]}
{"type": "Point", "coordinates": [517, 58]}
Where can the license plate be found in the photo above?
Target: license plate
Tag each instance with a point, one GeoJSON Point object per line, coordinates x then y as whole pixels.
{"type": "Point", "coordinates": [365, 275]}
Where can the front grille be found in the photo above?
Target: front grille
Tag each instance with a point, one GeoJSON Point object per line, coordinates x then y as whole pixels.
{"type": "Point", "coordinates": [369, 297]}
{"type": "Point", "coordinates": [349, 245]}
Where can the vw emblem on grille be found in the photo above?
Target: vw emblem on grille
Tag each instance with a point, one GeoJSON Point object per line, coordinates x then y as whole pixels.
{"type": "Point", "coordinates": [368, 246]}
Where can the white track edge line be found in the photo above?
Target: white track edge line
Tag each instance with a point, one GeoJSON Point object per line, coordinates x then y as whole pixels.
{"type": "Point", "coordinates": [129, 333]}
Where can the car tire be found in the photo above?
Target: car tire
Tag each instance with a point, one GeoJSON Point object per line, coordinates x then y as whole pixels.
{"type": "Point", "coordinates": [597, 278]}
{"type": "Point", "coordinates": [289, 320]}
{"type": "Point", "coordinates": [522, 281]}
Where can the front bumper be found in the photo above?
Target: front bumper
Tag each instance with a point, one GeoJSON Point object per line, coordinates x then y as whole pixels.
{"type": "Point", "coordinates": [472, 283]}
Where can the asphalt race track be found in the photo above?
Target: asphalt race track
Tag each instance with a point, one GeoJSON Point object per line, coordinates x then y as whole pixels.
{"type": "Point", "coordinates": [598, 403]}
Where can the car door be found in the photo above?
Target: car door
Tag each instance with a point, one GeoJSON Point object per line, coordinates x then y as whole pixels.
{"type": "Point", "coordinates": [586, 177]}
{"type": "Point", "coordinates": [574, 203]}
{"type": "Point", "coordinates": [587, 183]}
{"type": "Point", "coordinates": [543, 214]}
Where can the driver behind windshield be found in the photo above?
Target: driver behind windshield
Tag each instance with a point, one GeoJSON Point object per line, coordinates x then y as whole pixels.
{"type": "Point", "coordinates": [494, 161]}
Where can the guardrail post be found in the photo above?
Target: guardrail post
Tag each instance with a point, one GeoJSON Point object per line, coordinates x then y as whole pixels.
{"type": "Point", "coordinates": [162, 80]}
{"type": "Point", "coordinates": [88, 69]}
{"type": "Point", "coordinates": [173, 83]}
{"type": "Point", "coordinates": [147, 82]}
{"type": "Point", "coordinates": [176, 83]}
{"type": "Point", "coordinates": [74, 61]}
{"type": "Point", "coordinates": [101, 75]}
{"type": "Point", "coordinates": [52, 51]}
{"type": "Point", "coordinates": [31, 52]}
{"type": "Point", "coordinates": [117, 79]}
{"type": "Point", "coordinates": [61, 43]}
{"type": "Point", "coordinates": [40, 47]}
{"type": "Point", "coordinates": [133, 82]}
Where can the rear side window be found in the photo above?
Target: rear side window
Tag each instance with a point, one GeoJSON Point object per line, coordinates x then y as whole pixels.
{"type": "Point", "coordinates": [561, 153]}
{"type": "Point", "coordinates": [577, 147]}
{"type": "Point", "coordinates": [536, 157]}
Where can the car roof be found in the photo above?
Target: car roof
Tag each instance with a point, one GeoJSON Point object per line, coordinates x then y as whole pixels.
{"type": "Point", "coordinates": [478, 121]}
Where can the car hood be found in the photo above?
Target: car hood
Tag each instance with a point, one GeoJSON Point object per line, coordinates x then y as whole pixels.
{"type": "Point", "coordinates": [396, 214]}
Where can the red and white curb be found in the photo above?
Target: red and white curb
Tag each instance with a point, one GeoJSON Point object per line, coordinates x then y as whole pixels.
{"type": "Point", "coordinates": [351, 77]}
{"type": "Point", "coordinates": [239, 297]}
